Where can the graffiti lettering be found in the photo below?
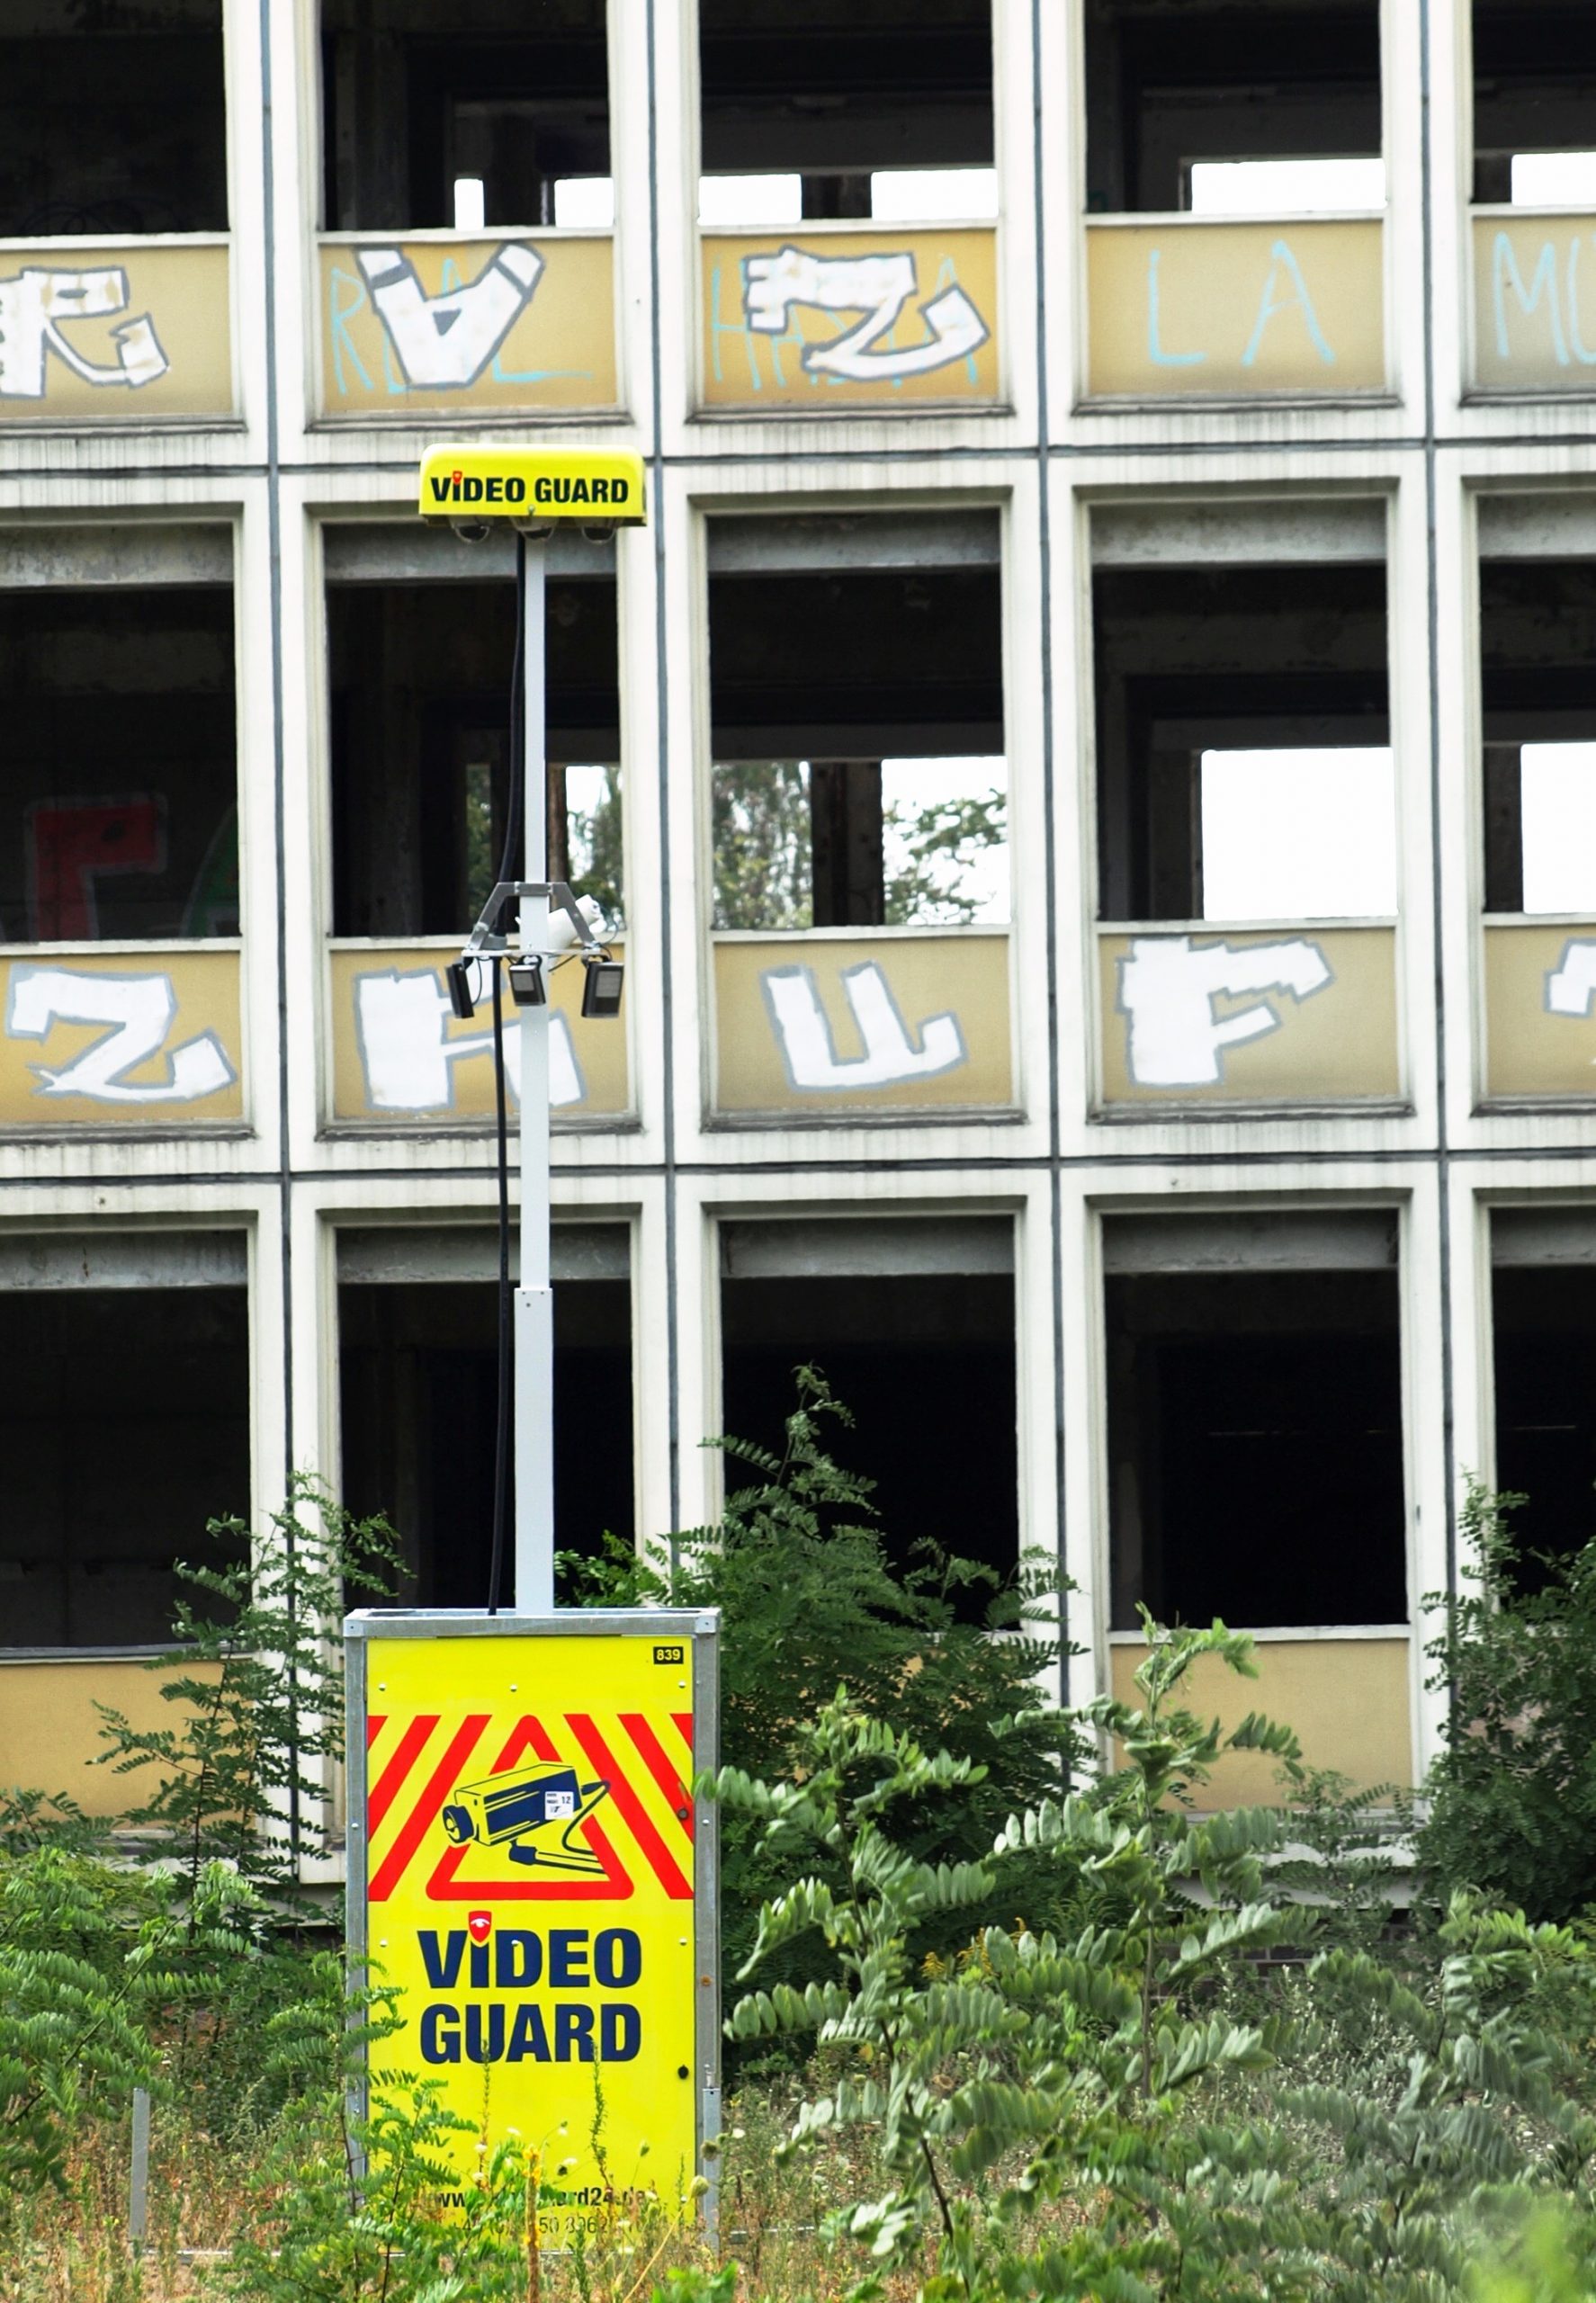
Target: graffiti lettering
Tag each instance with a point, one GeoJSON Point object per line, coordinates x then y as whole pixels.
{"type": "Point", "coordinates": [138, 1011]}
{"type": "Point", "coordinates": [1271, 304]}
{"type": "Point", "coordinates": [880, 287]}
{"type": "Point", "coordinates": [401, 1023]}
{"type": "Point", "coordinates": [1572, 985]}
{"type": "Point", "coordinates": [36, 305]}
{"type": "Point", "coordinates": [1167, 989]}
{"type": "Point", "coordinates": [890, 1056]}
{"type": "Point", "coordinates": [449, 339]}
{"type": "Point", "coordinates": [71, 844]}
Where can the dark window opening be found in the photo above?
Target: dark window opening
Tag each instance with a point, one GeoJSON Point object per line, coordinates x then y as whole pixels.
{"type": "Point", "coordinates": [1255, 1447]}
{"type": "Point", "coordinates": [1198, 668]}
{"type": "Point", "coordinates": [926, 1364]}
{"type": "Point", "coordinates": [425, 98]}
{"type": "Point", "coordinates": [1175, 86]}
{"type": "Point", "coordinates": [124, 1429]}
{"type": "Point", "coordinates": [419, 1384]}
{"type": "Point", "coordinates": [857, 723]}
{"type": "Point", "coordinates": [885, 108]}
{"type": "Point", "coordinates": [1537, 651]}
{"type": "Point", "coordinates": [113, 119]}
{"type": "Point", "coordinates": [1545, 1326]}
{"type": "Point", "coordinates": [1534, 94]}
{"type": "Point", "coordinates": [420, 680]}
{"type": "Point", "coordinates": [118, 776]}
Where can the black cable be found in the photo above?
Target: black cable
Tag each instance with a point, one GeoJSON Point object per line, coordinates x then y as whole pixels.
{"type": "Point", "coordinates": [501, 1451]}
{"type": "Point", "coordinates": [509, 868]}
{"type": "Point", "coordinates": [509, 863]}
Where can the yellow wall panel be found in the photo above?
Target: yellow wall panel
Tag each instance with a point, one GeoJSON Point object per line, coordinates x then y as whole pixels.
{"type": "Point", "coordinates": [1348, 1700]}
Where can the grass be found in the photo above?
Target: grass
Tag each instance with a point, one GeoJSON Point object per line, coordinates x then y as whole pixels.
{"type": "Point", "coordinates": [72, 2246]}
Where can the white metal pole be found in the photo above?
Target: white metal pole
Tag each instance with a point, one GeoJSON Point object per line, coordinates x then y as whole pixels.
{"type": "Point", "coordinates": [535, 1298]}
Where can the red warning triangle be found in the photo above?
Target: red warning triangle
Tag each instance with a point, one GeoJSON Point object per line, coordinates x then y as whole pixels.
{"type": "Point", "coordinates": [446, 1887]}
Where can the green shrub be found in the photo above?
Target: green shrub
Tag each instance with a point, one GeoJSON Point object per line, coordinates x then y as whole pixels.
{"type": "Point", "coordinates": [257, 1692]}
{"type": "Point", "coordinates": [1086, 2117]}
{"type": "Point", "coordinates": [808, 1598]}
{"type": "Point", "coordinates": [1512, 1795]}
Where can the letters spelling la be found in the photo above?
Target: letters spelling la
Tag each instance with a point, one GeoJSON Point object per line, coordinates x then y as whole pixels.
{"type": "Point", "coordinates": [566, 2030]}
{"type": "Point", "coordinates": [456, 488]}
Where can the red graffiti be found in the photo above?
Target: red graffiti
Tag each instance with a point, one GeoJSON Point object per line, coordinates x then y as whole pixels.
{"type": "Point", "coordinates": [71, 844]}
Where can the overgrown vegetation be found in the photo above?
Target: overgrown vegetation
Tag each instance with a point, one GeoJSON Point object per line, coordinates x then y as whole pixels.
{"type": "Point", "coordinates": [1022, 2013]}
{"type": "Point", "coordinates": [1513, 1797]}
{"type": "Point", "coordinates": [808, 1598]}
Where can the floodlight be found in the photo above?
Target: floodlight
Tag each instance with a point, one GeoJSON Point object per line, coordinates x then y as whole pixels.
{"type": "Point", "coordinates": [528, 989]}
{"type": "Point", "coordinates": [458, 976]}
{"type": "Point", "coordinates": [601, 989]}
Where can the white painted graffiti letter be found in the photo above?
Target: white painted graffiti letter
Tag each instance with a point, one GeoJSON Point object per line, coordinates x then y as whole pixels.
{"type": "Point", "coordinates": [401, 1024]}
{"type": "Point", "coordinates": [1572, 985]}
{"type": "Point", "coordinates": [450, 338]}
{"type": "Point", "coordinates": [138, 1011]}
{"type": "Point", "coordinates": [879, 286]}
{"type": "Point", "coordinates": [36, 305]}
{"type": "Point", "coordinates": [890, 1057]}
{"type": "Point", "coordinates": [1167, 989]}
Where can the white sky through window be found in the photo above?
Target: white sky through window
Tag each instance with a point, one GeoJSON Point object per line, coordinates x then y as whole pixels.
{"type": "Point", "coordinates": [750, 200]}
{"type": "Point", "coordinates": [585, 202]}
{"type": "Point", "coordinates": [1299, 834]}
{"type": "Point", "coordinates": [468, 211]}
{"type": "Point", "coordinates": [933, 195]}
{"type": "Point", "coordinates": [897, 196]}
{"type": "Point", "coordinates": [1557, 789]}
{"type": "Point", "coordinates": [1285, 187]}
{"type": "Point", "coordinates": [1554, 179]}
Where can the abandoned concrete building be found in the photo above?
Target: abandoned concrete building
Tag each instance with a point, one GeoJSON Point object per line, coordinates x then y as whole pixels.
{"type": "Point", "coordinates": [1093, 761]}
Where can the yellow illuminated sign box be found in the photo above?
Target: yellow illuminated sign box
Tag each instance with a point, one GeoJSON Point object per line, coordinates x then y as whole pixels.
{"type": "Point", "coordinates": [532, 1875]}
{"type": "Point", "coordinates": [533, 484]}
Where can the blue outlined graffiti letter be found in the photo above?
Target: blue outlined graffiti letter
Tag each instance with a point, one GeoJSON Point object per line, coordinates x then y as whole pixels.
{"type": "Point", "coordinates": [1167, 989]}
{"type": "Point", "coordinates": [445, 342]}
{"type": "Point", "coordinates": [36, 305]}
{"type": "Point", "coordinates": [408, 1058]}
{"type": "Point", "coordinates": [890, 1057]}
{"type": "Point", "coordinates": [878, 286]}
{"type": "Point", "coordinates": [138, 1011]}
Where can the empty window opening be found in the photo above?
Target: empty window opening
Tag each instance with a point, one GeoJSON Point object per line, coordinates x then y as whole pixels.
{"type": "Point", "coordinates": [420, 711]}
{"type": "Point", "coordinates": [857, 722]}
{"type": "Point", "coordinates": [1544, 1318]}
{"type": "Point", "coordinates": [1533, 90]}
{"type": "Point", "coordinates": [881, 110]}
{"type": "Point", "coordinates": [1537, 647]}
{"type": "Point", "coordinates": [125, 1426]}
{"type": "Point", "coordinates": [420, 97]}
{"type": "Point", "coordinates": [419, 1384]}
{"type": "Point", "coordinates": [1242, 743]}
{"type": "Point", "coordinates": [118, 777]}
{"type": "Point", "coordinates": [113, 125]}
{"type": "Point", "coordinates": [1254, 1439]}
{"type": "Point", "coordinates": [1174, 87]}
{"type": "Point", "coordinates": [900, 1347]}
